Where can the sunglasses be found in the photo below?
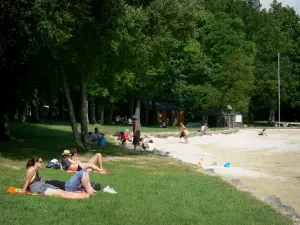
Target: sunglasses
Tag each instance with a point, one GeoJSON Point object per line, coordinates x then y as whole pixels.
{"type": "Point", "coordinates": [40, 161]}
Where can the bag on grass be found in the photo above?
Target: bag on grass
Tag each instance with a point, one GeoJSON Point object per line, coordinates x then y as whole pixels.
{"type": "Point", "coordinates": [54, 163]}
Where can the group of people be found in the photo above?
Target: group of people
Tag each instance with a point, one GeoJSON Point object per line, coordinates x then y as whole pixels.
{"type": "Point", "coordinates": [184, 131]}
{"type": "Point", "coordinates": [122, 121]}
{"type": "Point", "coordinates": [97, 138]}
{"type": "Point", "coordinates": [77, 187]}
{"type": "Point", "coordinates": [126, 137]}
{"type": "Point", "coordinates": [134, 138]}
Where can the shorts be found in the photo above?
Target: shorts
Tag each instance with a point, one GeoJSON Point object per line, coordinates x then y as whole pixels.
{"type": "Point", "coordinates": [75, 181]}
{"type": "Point", "coordinates": [136, 138]}
{"type": "Point", "coordinates": [57, 183]}
{"type": "Point", "coordinates": [182, 135]}
{"type": "Point", "coordinates": [40, 187]}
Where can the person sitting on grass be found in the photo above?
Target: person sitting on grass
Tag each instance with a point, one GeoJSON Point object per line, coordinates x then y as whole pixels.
{"type": "Point", "coordinates": [262, 132]}
{"type": "Point", "coordinates": [70, 162]}
{"type": "Point", "coordinates": [151, 146]}
{"type": "Point", "coordinates": [35, 184]}
{"type": "Point", "coordinates": [92, 139]}
{"type": "Point", "coordinates": [125, 138]}
{"type": "Point", "coordinates": [97, 136]}
{"type": "Point", "coordinates": [184, 133]}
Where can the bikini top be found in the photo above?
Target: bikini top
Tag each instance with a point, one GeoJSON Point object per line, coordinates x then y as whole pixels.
{"type": "Point", "coordinates": [35, 178]}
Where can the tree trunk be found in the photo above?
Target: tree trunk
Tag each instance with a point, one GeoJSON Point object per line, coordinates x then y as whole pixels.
{"type": "Point", "coordinates": [72, 114]}
{"type": "Point", "coordinates": [138, 109]}
{"type": "Point", "coordinates": [25, 112]}
{"type": "Point", "coordinates": [84, 116]}
{"type": "Point", "coordinates": [131, 108]}
{"type": "Point", "coordinates": [111, 114]}
{"type": "Point", "coordinates": [35, 111]}
{"type": "Point", "coordinates": [16, 114]}
{"type": "Point", "coordinates": [272, 117]}
{"type": "Point", "coordinates": [4, 130]}
{"type": "Point", "coordinates": [102, 115]}
{"type": "Point", "coordinates": [92, 113]}
{"type": "Point", "coordinates": [154, 110]}
{"type": "Point", "coordinates": [62, 115]}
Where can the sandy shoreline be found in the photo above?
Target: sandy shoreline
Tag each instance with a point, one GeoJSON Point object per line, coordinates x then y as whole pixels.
{"type": "Point", "coordinates": [268, 165]}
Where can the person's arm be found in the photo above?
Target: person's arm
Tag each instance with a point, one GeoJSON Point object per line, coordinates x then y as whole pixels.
{"type": "Point", "coordinates": [29, 174]}
{"type": "Point", "coordinates": [72, 161]}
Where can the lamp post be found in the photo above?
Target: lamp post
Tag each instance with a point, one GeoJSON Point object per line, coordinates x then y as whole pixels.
{"type": "Point", "coordinates": [279, 90]}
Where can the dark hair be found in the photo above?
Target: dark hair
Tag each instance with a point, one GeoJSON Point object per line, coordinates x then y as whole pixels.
{"type": "Point", "coordinates": [73, 151]}
{"type": "Point", "coordinates": [150, 141]}
{"type": "Point", "coordinates": [31, 162]}
{"type": "Point", "coordinates": [90, 133]}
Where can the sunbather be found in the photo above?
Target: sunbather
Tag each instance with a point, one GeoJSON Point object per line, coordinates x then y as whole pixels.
{"type": "Point", "coordinates": [71, 163]}
{"type": "Point", "coordinates": [35, 184]}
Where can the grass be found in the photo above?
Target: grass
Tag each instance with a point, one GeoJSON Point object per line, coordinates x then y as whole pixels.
{"type": "Point", "coordinates": [151, 189]}
{"type": "Point", "coordinates": [110, 129]}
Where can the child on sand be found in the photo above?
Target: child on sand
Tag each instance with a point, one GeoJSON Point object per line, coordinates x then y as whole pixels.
{"type": "Point", "coordinates": [262, 133]}
{"type": "Point", "coordinates": [184, 133]}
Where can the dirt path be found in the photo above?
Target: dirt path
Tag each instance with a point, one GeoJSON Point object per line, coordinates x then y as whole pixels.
{"type": "Point", "coordinates": [269, 165]}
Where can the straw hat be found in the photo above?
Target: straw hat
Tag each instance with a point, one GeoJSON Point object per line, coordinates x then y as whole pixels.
{"type": "Point", "coordinates": [66, 152]}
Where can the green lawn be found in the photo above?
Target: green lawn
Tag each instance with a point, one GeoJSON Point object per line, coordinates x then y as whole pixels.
{"type": "Point", "coordinates": [110, 129]}
{"type": "Point", "coordinates": [151, 189]}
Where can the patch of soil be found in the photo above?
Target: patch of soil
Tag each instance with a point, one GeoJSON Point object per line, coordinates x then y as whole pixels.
{"type": "Point", "coordinates": [9, 166]}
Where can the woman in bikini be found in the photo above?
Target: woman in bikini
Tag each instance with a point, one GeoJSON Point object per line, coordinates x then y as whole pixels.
{"type": "Point", "coordinates": [35, 184]}
{"type": "Point", "coordinates": [71, 163]}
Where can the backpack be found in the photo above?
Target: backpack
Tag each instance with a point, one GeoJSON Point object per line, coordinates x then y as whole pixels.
{"type": "Point", "coordinates": [53, 164]}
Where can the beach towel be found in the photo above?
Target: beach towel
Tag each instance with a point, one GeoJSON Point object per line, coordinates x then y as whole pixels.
{"type": "Point", "coordinates": [15, 190]}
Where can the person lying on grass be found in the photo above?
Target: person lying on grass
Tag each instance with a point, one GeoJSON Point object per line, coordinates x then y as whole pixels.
{"type": "Point", "coordinates": [35, 184]}
{"type": "Point", "coordinates": [70, 162]}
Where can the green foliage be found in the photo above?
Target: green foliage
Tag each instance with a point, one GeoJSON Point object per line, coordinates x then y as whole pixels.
{"type": "Point", "coordinates": [204, 54]}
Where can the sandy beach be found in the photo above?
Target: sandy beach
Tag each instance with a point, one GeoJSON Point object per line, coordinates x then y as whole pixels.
{"type": "Point", "coordinates": [267, 165]}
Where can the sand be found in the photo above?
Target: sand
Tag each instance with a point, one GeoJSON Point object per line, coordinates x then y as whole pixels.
{"type": "Point", "coordinates": [267, 165]}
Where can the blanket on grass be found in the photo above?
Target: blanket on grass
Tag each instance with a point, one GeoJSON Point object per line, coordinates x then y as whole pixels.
{"type": "Point", "coordinates": [15, 190]}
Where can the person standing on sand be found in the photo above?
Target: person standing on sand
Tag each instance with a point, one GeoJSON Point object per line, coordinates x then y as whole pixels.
{"type": "Point", "coordinates": [184, 133]}
{"type": "Point", "coordinates": [136, 129]}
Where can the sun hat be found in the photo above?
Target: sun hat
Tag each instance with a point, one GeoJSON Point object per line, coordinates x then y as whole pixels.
{"type": "Point", "coordinates": [66, 152]}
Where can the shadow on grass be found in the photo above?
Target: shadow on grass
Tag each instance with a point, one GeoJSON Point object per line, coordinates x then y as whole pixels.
{"type": "Point", "coordinates": [48, 141]}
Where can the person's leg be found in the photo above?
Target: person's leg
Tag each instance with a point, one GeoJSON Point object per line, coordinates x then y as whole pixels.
{"type": "Point", "coordinates": [90, 166]}
{"type": "Point", "coordinates": [134, 142]}
{"type": "Point", "coordinates": [65, 194]}
{"type": "Point", "coordinates": [186, 139]}
{"type": "Point", "coordinates": [97, 159]}
{"type": "Point", "coordinates": [85, 180]}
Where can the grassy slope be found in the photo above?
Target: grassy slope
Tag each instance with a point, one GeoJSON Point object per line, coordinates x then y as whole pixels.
{"type": "Point", "coordinates": [152, 189]}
